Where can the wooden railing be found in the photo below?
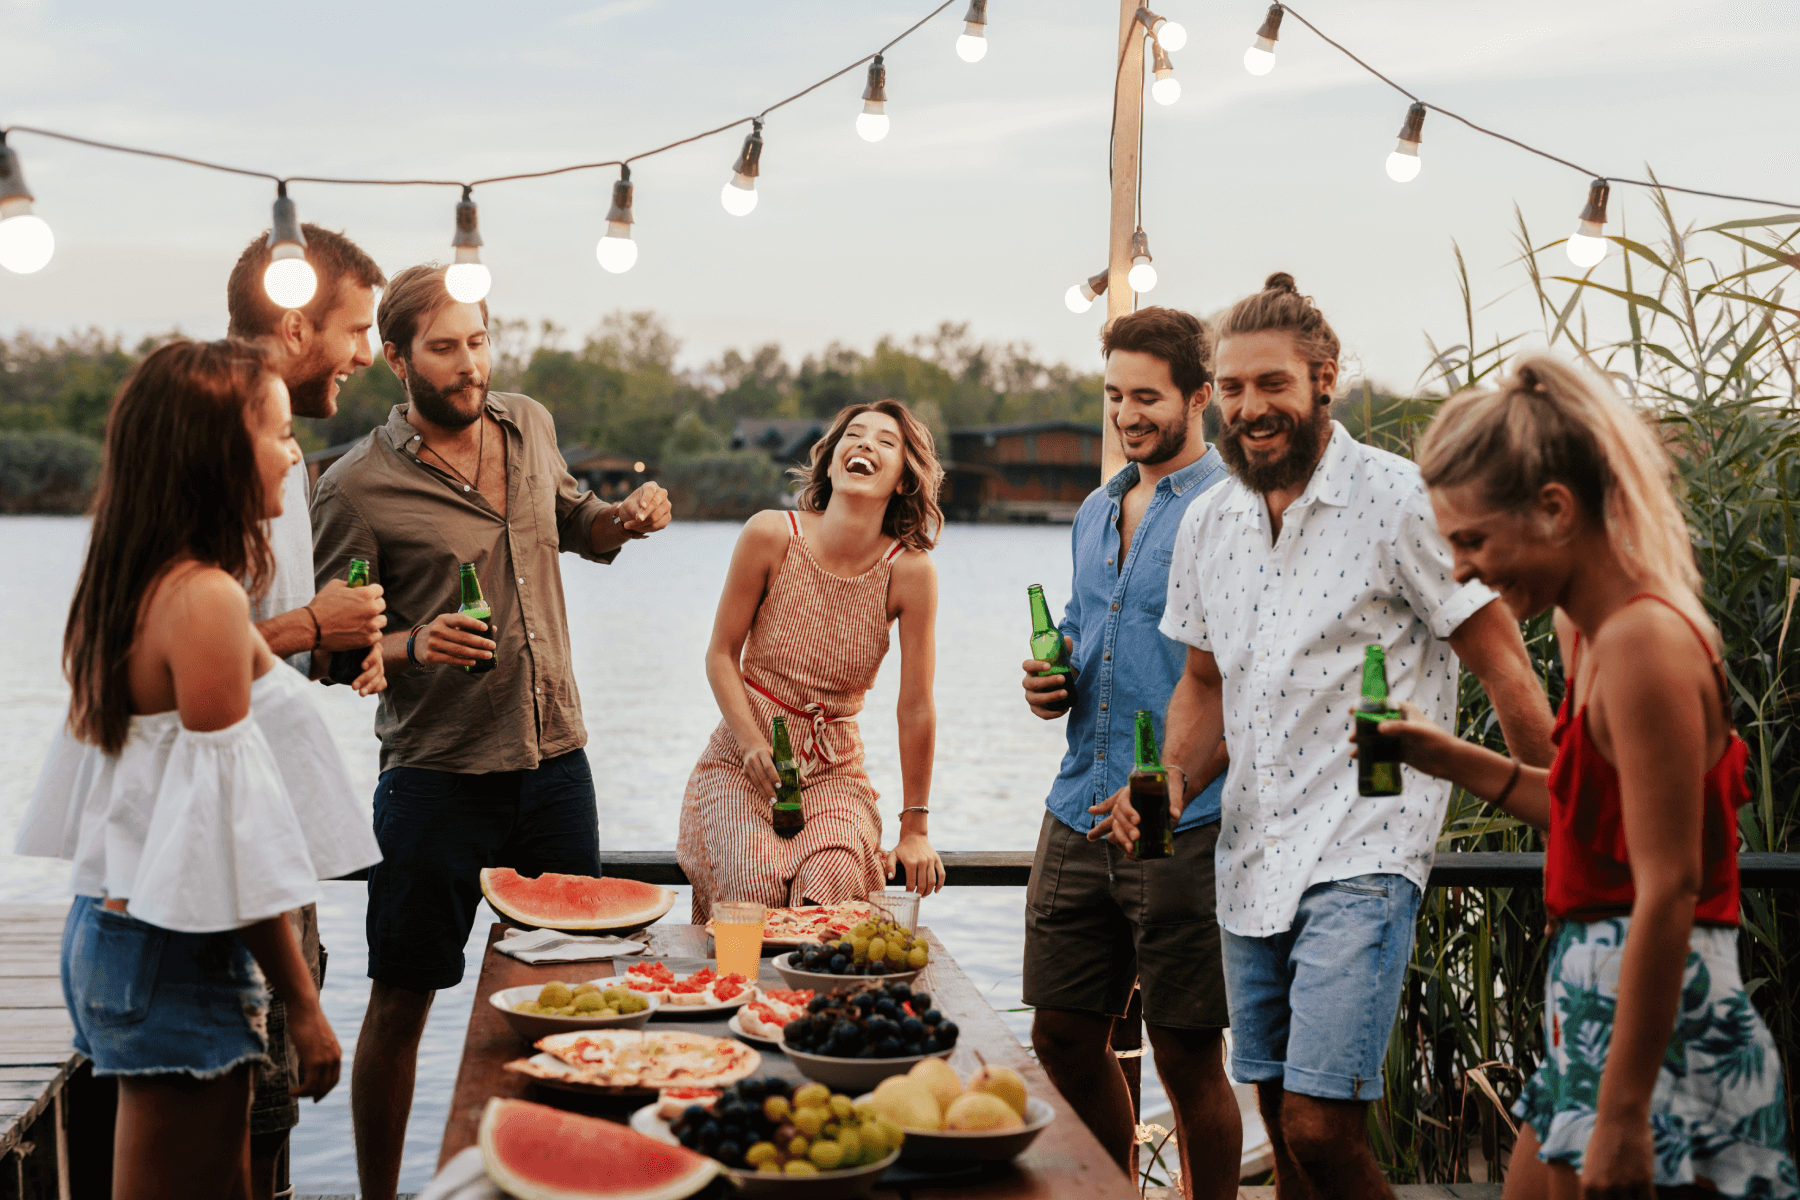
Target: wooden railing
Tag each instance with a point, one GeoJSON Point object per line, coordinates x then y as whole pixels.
{"type": "Point", "coordinates": [1012, 868]}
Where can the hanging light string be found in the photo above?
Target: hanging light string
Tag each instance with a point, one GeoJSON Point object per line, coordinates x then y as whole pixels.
{"type": "Point", "coordinates": [1643, 183]}
{"type": "Point", "coordinates": [472, 183]}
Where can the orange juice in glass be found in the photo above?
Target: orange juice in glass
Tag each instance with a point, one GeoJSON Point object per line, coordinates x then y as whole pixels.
{"type": "Point", "coordinates": [737, 937]}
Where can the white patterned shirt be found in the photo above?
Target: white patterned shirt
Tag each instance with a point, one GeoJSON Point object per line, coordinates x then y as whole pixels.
{"type": "Point", "coordinates": [1359, 561]}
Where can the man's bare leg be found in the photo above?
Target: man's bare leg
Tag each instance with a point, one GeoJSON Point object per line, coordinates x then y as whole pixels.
{"type": "Point", "coordinates": [1208, 1129]}
{"type": "Point", "coordinates": [1075, 1050]}
{"type": "Point", "coordinates": [381, 1084]}
{"type": "Point", "coordinates": [1291, 1182]}
{"type": "Point", "coordinates": [1329, 1141]}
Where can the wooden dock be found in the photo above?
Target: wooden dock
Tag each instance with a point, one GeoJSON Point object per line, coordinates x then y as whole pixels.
{"type": "Point", "coordinates": [37, 1065]}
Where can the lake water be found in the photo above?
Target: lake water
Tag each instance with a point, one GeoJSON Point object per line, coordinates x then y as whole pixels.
{"type": "Point", "coordinates": [639, 629]}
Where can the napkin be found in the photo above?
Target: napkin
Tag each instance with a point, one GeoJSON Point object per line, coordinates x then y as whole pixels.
{"type": "Point", "coordinates": [547, 945]}
{"type": "Point", "coordinates": [463, 1178]}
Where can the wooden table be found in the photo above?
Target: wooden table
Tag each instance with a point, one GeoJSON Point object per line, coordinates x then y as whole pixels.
{"type": "Point", "coordinates": [1064, 1161]}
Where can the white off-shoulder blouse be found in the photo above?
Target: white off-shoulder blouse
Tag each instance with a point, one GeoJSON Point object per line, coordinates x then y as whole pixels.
{"type": "Point", "coordinates": [204, 832]}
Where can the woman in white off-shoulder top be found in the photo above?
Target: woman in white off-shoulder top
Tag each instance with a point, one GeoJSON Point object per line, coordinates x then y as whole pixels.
{"type": "Point", "coordinates": [198, 792]}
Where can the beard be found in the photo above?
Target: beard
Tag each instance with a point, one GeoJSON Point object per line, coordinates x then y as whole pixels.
{"type": "Point", "coordinates": [309, 395]}
{"type": "Point", "coordinates": [1170, 441]}
{"type": "Point", "coordinates": [438, 405]}
{"type": "Point", "coordinates": [1306, 441]}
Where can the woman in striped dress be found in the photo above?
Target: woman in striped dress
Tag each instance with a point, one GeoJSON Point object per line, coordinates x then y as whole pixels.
{"type": "Point", "coordinates": [801, 631]}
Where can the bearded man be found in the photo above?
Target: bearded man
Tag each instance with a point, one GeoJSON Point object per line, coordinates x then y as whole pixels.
{"type": "Point", "coordinates": [1098, 922]}
{"type": "Point", "coordinates": [1318, 547]}
{"type": "Point", "coordinates": [482, 761]}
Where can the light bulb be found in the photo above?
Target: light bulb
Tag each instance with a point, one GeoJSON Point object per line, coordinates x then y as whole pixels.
{"type": "Point", "coordinates": [1142, 277]}
{"type": "Point", "coordinates": [468, 283]}
{"type": "Point", "coordinates": [1172, 34]}
{"type": "Point", "coordinates": [1403, 164]}
{"type": "Point", "coordinates": [1167, 88]}
{"type": "Point", "coordinates": [1080, 297]}
{"type": "Point", "coordinates": [26, 242]}
{"type": "Point", "coordinates": [290, 282]}
{"type": "Point", "coordinates": [872, 122]}
{"type": "Point", "coordinates": [1259, 59]}
{"type": "Point", "coordinates": [616, 254]}
{"type": "Point", "coordinates": [971, 45]}
{"type": "Point", "coordinates": [1587, 245]}
{"type": "Point", "coordinates": [1403, 167]}
{"type": "Point", "coordinates": [871, 126]}
{"type": "Point", "coordinates": [738, 198]}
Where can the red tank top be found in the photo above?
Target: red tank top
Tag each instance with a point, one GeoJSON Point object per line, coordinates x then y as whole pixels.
{"type": "Point", "coordinates": [1587, 872]}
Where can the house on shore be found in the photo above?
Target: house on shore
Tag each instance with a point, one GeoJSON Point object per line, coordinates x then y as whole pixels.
{"type": "Point", "coordinates": [1026, 471]}
{"type": "Point", "coordinates": [787, 441]}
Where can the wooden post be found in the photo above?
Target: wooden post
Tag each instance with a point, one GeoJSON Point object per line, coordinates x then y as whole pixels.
{"type": "Point", "coordinates": [1128, 108]}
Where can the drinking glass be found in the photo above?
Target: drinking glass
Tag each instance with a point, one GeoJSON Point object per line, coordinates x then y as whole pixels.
{"type": "Point", "coordinates": [737, 937]}
{"type": "Point", "coordinates": [901, 906]}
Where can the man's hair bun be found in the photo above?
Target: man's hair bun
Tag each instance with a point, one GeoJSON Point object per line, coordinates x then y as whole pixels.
{"type": "Point", "coordinates": [1281, 281]}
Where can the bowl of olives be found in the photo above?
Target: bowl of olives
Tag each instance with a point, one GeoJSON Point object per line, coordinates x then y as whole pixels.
{"type": "Point", "coordinates": [853, 1042]}
{"type": "Point", "coordinates": [539, 1010]}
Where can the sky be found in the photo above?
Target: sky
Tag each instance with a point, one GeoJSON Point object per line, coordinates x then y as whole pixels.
{"type": "Point", "coordinates": [985, 202]}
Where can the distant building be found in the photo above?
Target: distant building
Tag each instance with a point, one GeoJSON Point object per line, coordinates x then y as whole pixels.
{"type": "Point", "coordinates": [1028, 471]}
{"type": "Point", "coordinates": [610, 476]}
{"type": "Point", "coordinates": [786, 440]}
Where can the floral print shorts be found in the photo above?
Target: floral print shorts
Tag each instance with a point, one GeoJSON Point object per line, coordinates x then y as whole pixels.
{"type": "Point", "coordinates": [1717, 1114]}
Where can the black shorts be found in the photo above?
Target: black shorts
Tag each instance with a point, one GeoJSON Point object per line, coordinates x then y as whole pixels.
{"type": "Point", "coordinates": [1097, 921]}
{"type": "Point", "coordinates": [438, 829]}
{"type": "Point", "coordinates": [272, 1110]}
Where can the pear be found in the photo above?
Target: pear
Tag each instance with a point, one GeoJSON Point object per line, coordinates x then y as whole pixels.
{"type": "Point", "coordinates": [1003, 1082]}
{"type": "Point", "coordinates": [940, 1079]}
{"type": "Point", "coordinates": [981, 1110]}
{"type": "Point", "coordinates": [908, 1103]}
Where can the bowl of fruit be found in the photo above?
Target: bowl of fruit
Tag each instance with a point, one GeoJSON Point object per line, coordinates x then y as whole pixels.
{"type": "Point", "coordinates": [877, 947]}
{"type": "Point", "coordinates": [853, 1042]}
{"type": "Point", "coordinates": [536, 1011]}
{"type": "Point", "coordinates": [778, 1140]}
{"type": "Point", "coordinates": [990, 1118]}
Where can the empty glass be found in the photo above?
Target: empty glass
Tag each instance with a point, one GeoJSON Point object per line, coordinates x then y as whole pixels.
{"type": "Point", "coordinates": [901, 906]}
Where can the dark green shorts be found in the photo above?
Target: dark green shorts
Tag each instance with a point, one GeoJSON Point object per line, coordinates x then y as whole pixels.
{"type": "Point", "coordinates": [1098, 920]}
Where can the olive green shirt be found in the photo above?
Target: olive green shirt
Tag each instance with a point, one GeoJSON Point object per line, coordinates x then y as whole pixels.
{"type": "Point", "coordinates": [416, 523]}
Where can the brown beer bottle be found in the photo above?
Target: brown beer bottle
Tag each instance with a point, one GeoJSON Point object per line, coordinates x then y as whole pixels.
{"type": "Point", "coordinates": [1150, 795]}
{"type": "Point", "coordinates": [788, 817]}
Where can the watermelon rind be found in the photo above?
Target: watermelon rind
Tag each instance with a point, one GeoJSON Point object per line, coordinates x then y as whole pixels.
{"type": "Point", "coordinates": [508, 893]}
{"type": "Point", "coordinates": [513, 1178]}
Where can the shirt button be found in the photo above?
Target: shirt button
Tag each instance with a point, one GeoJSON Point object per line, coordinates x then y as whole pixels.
{"type": "Point", "coordinates": [521, 579]}
{"type": "Point", "coordinates": [1103, 706]}
{"type": "Point", "coordinates": [1109, 658]}
{"type": "Point", "coordinates": [1103, 754]}
{"type": "Point", "coordinates": [531, 635]}
{"type": "Point", "coordinates": [1115, 608]}
{"type": "Point", "coordinates": [1109, 562]}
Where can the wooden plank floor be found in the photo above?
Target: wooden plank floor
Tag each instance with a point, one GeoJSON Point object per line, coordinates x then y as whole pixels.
{"type": "Point", "coordinates": [35, 1058]}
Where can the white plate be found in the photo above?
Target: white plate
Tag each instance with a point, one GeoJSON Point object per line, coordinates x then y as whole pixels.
{"type": "Point", "coordinates": [859, 1182]}
{"type": "Point", "coordinates": [668, 1008]}
{"type": "Point", "coordinates": [532, 1026]}
{"type": "Point", "coordinates": [736, 1026]}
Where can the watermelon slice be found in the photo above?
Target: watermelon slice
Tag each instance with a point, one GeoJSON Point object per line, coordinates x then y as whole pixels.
{"type": "Point", "coordinates": [573, 902]}
{"type": "Point", "coordinates": [535, 1152]}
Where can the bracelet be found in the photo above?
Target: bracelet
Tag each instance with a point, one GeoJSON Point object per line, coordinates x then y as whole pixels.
{"type": "Point", "coordinates": [409, 644]}
{"type": "Point", "coordinates": [1510, 781]}
{"type": "Point", "coordinates": [1182, 794]}
{"type": "Point", "coordinates": [318, 633]}
{"type": "Point", "coordinates": [914, 808]}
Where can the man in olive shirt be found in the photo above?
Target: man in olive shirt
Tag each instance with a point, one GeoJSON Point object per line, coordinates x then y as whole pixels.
{"type": "Point", "coordinates": [478, 769]}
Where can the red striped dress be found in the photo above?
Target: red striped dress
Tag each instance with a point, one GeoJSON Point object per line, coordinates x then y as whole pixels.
{"type": "Point", "coordinates": [812, 652]}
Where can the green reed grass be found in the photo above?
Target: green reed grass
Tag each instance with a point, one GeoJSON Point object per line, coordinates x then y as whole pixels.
{"type": "Point", "coordinates": [1709, 350]}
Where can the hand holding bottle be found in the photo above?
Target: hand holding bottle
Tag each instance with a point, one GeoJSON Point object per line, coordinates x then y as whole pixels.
{"type": "Point", "coordinates": [350, 618]}
{"type": "Point", "coordinates": [759, 765]}
{"type": "Point", "coordinates": [1049, 696]}
{"type": "Point", "coordinates": [454, 640]}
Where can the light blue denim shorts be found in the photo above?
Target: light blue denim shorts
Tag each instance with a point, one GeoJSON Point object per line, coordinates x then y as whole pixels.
{"type": "Point", "coordinates": [1314, 1006]}
{"type": "Point", "coordinates": [150, 1001]}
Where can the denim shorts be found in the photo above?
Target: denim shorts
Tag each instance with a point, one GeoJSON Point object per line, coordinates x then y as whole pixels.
{"type": "Point", "coordinates": [1314, 1006]}
{"type": "Point", "coordinates": [150, 1001]}
{"type": "Point", "coordinates": [438, 829]}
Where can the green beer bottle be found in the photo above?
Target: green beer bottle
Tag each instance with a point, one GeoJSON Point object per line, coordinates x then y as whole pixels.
{"type": "Point", "coordinates": [474, 606]}
{"type": "Point", "coordinates": [788, 817]}
{"type": "Point", "coordinates": [1377, 756]}
{"type": "Point", "coordinates": [1046, 638]}
{"type": "Point", "coordinates": [346, 665]}
{"type": "Point", "coordinates": [1150, 795]}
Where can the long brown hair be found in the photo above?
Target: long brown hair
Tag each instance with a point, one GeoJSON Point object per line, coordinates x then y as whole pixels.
{"type": "Point", "coordinates": [1547, 422]}
{"type": "Point", "coordinates": [179, 477]}
{"type": "Point", "coordinates": [913, 517]}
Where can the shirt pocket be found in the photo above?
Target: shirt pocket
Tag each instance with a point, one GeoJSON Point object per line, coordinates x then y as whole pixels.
{"type": "Point", "coordinates": [542, 489]}
{"type": "Point", "coordinates": [1151, 591]}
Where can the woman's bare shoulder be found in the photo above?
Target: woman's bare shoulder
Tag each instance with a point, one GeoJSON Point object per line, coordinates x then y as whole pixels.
{"type": "Point", "coordinates": [197, 592]}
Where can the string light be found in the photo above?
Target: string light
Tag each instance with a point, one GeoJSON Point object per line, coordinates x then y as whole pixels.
{"type": "Point", "coordinates": [26, 242]}
{"type": "Point", "coordinates": [1171, 34]}
{"type": "Point", "coordinates": [872, 122]}
{"type": "Point", "coordinates": [467, 280]}
{"type": "Point", "coordinates": [1259, 59]}
{"type": "Point", "coordinates": [1081, 296]}
{"type": "Point", "coordinates": [971, 44]}
{"type": "Point", "coordinates": [1403, 163]}
{"type": "Point", "coordinates": [1142, 277]}
{"type": "Point", "coordinates": [1587, 245]}
{"type": "Point", "coordinates": [1167, 88]}
{"type": "Point", "coordinates": [289, 279]}
{"type": "Point", "coordinates": [739, 193]}
{"type": "Point", "coordinates": [616, 251]}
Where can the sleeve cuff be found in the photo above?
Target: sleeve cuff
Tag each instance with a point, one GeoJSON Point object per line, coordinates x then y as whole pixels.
{"type": "Point", "coordinates": [1464, 603]}
{"type": "Point", "coordinates": [1184, 634]}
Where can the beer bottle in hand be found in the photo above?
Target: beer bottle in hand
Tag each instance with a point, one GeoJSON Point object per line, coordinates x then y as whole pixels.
{"type": "Point", "coordinates": [1377, 756]}
{"type": "Point", "coordinates": [346, 665]}
{"type": "Point", "coordinates": [1047, 641]}
{"type": "Point", "coordinates": [788, 817]}
{"type": "Point", "coordinates": [473, 605]}
{"type": "Point", "coordinates": [1150, 795]}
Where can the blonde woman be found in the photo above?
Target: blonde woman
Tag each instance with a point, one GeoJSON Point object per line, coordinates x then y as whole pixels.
{"type": "Point", "coordinates": [801, 630]}
{"type": "Point", "coordinates": [1554, 494]}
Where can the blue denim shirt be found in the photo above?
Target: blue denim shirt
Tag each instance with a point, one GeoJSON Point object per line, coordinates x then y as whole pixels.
{"type": "Point", "coordinates": [1123, 661]}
